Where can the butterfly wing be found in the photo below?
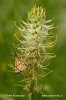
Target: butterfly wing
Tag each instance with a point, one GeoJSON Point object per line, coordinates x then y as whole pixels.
{"type": "Point", "coordinates": [19, 65]}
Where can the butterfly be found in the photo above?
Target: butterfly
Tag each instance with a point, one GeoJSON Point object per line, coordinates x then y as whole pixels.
{"type": "Point", "coordinates": [19, 64]}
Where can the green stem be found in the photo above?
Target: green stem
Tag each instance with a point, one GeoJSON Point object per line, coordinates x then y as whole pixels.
{"type": "Point", "coordinates": [30, 96]}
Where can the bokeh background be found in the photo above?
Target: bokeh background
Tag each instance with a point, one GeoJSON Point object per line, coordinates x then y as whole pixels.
{"type": "Point", "coordinates": [10, 12]}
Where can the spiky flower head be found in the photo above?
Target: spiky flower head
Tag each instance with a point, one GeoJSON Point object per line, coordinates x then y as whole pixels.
{"type": "Point", "coordinates": [34, 47]}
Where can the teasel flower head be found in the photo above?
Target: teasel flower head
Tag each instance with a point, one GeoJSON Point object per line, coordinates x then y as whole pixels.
{"type": "Point", "coordinates": [35, 47]}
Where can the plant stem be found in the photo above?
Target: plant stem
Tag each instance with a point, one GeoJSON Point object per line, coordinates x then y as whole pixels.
{"type": "Point", "coordinates": [30, 96]}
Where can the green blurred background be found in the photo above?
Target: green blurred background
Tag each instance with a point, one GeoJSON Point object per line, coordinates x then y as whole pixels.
{"type": "Point", "coordinates": [10, 12]}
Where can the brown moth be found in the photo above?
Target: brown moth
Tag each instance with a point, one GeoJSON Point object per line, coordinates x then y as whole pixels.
{"type": "Point", "coordinates": [19, 64]}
